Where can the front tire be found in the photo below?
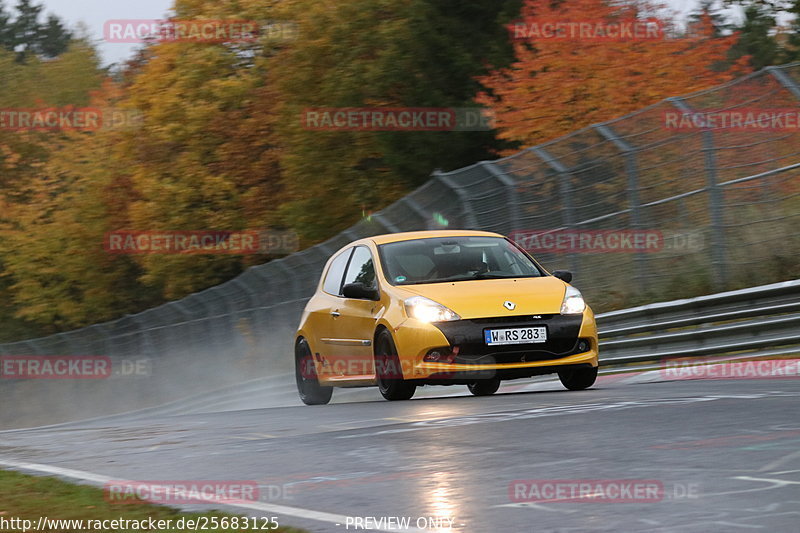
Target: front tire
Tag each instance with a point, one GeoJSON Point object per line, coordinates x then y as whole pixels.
{"type": "Point", "coordinates": [388, 370]}
{"type": "Point", "coordinates": [578, 379]}
{"type": "Point", "coordinates": [484, 387]}
{"type": "Point", "coordinates": [308, 387]}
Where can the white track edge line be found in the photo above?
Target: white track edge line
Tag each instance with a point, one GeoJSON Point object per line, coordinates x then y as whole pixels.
{"type": "Point", "coordinates": [257, 506]}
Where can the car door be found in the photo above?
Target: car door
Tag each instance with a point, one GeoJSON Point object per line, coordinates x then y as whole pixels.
{"type": "Point", "coordinates": [323, 309]}
{"type": "Point", "coordinates": [354, 326]}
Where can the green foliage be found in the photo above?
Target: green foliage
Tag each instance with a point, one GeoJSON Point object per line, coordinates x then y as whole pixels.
{"type": "Point", "coordinates": [791, 51]}
{"type": "Point", "coordinates": [760, 36]}
{"type": "Point", "coordinates": [410, 53]}
{"type": "Point", "coordinates": [757, 37]}
{"type": "Point", "coordinates": [26, 35]}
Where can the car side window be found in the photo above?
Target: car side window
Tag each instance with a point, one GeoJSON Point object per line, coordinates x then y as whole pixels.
{"type": "Point", "coordinates": [362, 268]}
{"type": "Point", "coordinates": [333, 279]}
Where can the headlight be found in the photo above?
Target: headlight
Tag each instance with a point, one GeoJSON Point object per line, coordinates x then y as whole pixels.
{"type": "Point", "coordinates": [573, 302]}
{"type": "Point", "coordinates": [428, 311]}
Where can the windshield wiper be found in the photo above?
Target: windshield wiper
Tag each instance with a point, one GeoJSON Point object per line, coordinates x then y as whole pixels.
{"type": "Point", "coordinates": [440, 280]}
{"type": "Point", "coordinates": [479, 275]}
{"type": "Point", "coordinates": [489, 275]}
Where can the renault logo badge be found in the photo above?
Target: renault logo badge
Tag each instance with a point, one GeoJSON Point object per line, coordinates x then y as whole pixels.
{"type": "Point", "coordinates": [509, 305]}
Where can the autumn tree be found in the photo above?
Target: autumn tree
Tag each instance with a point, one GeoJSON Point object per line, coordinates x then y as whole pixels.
{"type": "Point", "coordinates": [558, 85]}
{"type": "Point", "coordinates": [196, 153]}
{"type": "Point", "coordinates": [379, 53]}
{"type": "Point", "coordinates": [24, 154]}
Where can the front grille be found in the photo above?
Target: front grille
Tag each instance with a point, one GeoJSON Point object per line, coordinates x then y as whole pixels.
{"type": "Point", "coordinates": [524, 319]}
{"type": "Point", "coordinates": [472, 355]}
{"type": "Point", "coordinates": [562, 339]}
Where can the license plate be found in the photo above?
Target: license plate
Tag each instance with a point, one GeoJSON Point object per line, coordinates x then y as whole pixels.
{"type": "Point", "coordinates": [527, 335]}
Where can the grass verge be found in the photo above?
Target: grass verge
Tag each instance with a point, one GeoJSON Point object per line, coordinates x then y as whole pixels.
{"type": "Point", "coordinates": [24, 497]}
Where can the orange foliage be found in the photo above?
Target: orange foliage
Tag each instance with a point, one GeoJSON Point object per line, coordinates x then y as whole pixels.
{"type": "Point", "coordinates": [559, 85]}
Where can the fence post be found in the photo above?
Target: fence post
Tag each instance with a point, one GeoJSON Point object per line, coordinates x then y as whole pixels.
{"type": "Point", "coordinates": [385, 222]}
{"type": "Point", "coordinates": [32, 344]}
{"type": "Point", "coordinates": [511, 188]}
{"type": "Point", "coordinates": [417, 209]}
{"type": "Point", "coordinates": [565, 193]}
{"type": "Point", "coordinates": [715, 201]}
{"type": "Point", "coordinates": [145, 345]}
{"type": "Point", "coordinates": [296, 290]}
{"type": "Point", "coordinates": [785, 80]}
{"type": "Point", "coordinates": [260, 301]}
{"type": "Point", "coordinates": [472, 222]}
{"type": "Point", "coordinates": [632, 173]}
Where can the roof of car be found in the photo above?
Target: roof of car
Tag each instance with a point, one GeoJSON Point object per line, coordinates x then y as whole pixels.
{"type": "Point", "coordinates": [411, 235]}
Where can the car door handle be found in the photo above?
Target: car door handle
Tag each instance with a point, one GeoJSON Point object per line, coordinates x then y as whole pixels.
{"type": "Point", "coordinates": [335, 314]}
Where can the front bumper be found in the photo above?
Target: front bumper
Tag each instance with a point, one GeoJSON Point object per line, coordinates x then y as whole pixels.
{"type": "Point", "coordinates": [571, 342]}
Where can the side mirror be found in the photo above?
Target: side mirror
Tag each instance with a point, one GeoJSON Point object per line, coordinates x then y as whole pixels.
{"type": "Point", "coordinates": [563, 275]}
{"type": "Point", "coordinates": [359, 291]}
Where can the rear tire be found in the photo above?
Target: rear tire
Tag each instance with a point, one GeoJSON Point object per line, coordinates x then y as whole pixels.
{"type": "Point", "coordinates": [578, 379]}
{"type": "Point", "coordinates": [308, 387]}
{"type": "Point", "coordinates": [389, 371]}
{"type": "Point", "coordinates": [484, 387]}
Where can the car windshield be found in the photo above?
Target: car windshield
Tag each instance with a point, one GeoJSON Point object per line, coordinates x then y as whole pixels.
{"type": "Point", "coordinates": [437, 260]}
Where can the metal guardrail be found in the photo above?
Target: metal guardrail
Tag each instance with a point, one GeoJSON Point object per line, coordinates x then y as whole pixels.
{"type": "Point", "coordinates": [733, 322]}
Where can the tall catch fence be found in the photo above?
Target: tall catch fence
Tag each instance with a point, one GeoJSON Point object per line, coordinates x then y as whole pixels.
{"type": "Point", "coordinates": [725, 201]}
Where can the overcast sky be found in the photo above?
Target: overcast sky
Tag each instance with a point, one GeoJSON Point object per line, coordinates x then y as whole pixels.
{"type": "Point", "coordinates": [94, 13]}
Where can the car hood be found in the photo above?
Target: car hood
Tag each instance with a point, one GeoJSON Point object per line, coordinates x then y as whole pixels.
{"type": "Point", "coordinates": [485, 298]}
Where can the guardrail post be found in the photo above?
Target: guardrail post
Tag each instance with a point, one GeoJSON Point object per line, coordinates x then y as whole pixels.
{"type": "Point", "coordinates": [715, 202]}
{"type": "Point", "coordinates": [632, 173]}
{"type": "Point", "coordinates": [565, 194]}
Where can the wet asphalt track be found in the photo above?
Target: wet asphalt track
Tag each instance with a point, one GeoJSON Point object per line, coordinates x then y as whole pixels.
{"type": "Point", "coordinates": [727, 454]}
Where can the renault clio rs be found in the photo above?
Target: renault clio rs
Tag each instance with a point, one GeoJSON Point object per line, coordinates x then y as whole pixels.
{"type": "Point", "coordinates": [471, 308]}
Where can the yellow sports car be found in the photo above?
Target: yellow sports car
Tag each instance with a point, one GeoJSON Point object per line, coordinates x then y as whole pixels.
{"type": "Point", "coordinates": [441, 308]}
